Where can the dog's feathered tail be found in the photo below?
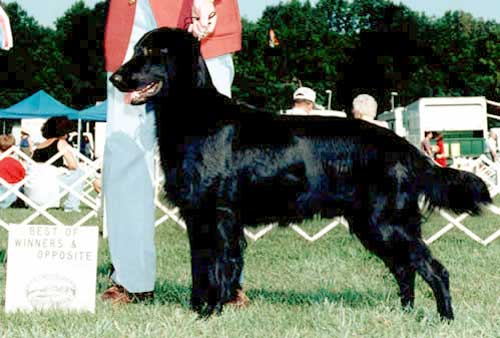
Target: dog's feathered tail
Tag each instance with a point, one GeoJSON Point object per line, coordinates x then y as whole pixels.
{"type": "Point", "coordinates": [456, 190]}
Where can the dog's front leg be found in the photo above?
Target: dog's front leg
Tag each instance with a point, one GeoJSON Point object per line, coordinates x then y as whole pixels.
{"type": "Point", "coordinates": [227, 261]}
{"type": "Point", "coordinates": [200, 238]}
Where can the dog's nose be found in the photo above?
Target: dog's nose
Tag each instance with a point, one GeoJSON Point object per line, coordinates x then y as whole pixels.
{"type": "Point", "coordinates": [116, 79]}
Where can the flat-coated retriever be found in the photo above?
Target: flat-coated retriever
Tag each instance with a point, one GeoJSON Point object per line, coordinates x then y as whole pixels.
{"type": "Point", "coordinates": [228, 166]}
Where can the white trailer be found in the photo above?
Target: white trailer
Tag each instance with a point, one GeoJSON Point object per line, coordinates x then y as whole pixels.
{"type": "Point", "coordinates": [462, 120]}
{"type": "Point", "coordinates": [394, 119]}
{"type": "Point", "coordinates": [446, 114]}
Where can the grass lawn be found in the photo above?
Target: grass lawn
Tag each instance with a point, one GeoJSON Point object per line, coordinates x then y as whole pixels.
{"type": "Point", "coordinates": [330, 288]}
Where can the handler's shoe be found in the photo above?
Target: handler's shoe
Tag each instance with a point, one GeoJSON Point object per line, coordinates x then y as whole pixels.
{"type": "Point", "coordinates": [241, 300]}
{"type": "Point", "coordinates": [118, 295]}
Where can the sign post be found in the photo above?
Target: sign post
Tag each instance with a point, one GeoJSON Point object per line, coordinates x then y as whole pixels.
{"type": "Point", "coordinates": [51, 267]}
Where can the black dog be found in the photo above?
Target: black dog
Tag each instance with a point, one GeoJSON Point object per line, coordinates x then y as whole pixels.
{"type": "Point", "coordinates": [228, 166]}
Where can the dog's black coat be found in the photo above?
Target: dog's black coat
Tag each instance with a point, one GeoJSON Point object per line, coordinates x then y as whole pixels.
{"type": "Point", "coordinates": [228, 165]}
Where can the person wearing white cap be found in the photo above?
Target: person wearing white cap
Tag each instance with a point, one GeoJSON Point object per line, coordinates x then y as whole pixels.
{"type": "Point", "coordinates": [304, 101]}
{"type": "Point", "coordinates": [364, 107]}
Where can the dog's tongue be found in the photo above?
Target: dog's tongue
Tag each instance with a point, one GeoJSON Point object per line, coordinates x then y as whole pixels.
{"type": "Point", "coordinates": [128, 98]}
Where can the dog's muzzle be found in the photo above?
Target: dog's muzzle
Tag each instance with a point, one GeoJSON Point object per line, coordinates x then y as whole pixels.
{"type": "Point", "coordinates": [117, 81]}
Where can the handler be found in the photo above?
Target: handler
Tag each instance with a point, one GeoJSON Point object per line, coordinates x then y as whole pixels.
{"type": "Point", "coordinates": [130, 140]}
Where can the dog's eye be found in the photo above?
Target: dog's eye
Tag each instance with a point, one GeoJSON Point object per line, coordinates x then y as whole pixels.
{"type": "Point", "coordinates": [147, 51]}
{"type": "Point", "coordinates": [164, 50]}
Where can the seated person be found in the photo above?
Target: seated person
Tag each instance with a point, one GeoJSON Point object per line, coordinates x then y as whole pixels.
{"type": "Point", "coordinates": [304, 101]}
{"type": "Point", "coordinates": [56, 130]}
{"type": "Point", "coordinates": [11, 171]}
{"type": "Point", "coordinates": [364, 107]}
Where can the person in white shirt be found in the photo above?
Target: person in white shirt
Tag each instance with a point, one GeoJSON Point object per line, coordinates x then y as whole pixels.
{"type": "Point", "coordinates": [364, 107]}
{"type": "Point", "coordinates": [491, 143]}
{"type": "Point", "coordinates": [304, 101]}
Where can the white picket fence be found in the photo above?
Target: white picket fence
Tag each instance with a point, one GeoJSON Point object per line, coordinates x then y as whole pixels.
{"type": "Point", "coordinates": [489, 171]}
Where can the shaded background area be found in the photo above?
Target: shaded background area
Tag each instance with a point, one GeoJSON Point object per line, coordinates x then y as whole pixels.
{"type": "Point", "coordinates": [349, 47]}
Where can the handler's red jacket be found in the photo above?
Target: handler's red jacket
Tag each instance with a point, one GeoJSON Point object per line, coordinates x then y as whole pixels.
{"type": "Point", "coordinates": [170, 13]}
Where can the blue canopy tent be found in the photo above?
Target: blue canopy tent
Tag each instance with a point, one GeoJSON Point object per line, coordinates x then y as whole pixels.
{"type": "Point", "coordinates": [94, 113]}
{"type": "Point", "coordinates": [38, 105]}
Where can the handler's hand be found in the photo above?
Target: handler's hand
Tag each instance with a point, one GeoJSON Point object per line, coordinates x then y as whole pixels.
{"type": "Point", "coordinates": [204, 18]}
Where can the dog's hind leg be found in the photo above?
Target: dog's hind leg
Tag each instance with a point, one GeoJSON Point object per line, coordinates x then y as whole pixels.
{"type": "Point", "coordinates": [405, 276]}
{"type": "Point", "coordinates": [405, 254]}
{"type": "Point", "coordinates": [436, 275]}
{"type": "Point", "coordinates": [395, 258]}
{"type": "Point", "coordinates": [416, 258]}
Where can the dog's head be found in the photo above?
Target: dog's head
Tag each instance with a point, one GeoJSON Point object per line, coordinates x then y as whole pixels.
{"type": "Point", "coordinates": [165, 61]}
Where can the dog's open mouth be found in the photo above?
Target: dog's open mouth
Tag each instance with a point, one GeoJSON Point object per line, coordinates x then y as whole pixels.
{"type": "Point", "coordinates": [140, 96]}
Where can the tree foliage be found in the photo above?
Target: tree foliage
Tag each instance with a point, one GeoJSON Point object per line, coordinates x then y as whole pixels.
{"type": "Point", "coordinates": [349, 47]}
{"type": "Point", "coordinates": [67, 62]}
{"type": "Point", "coordinates": [80, 34]}
{"type": "Point", "coordinates": [32, 63]}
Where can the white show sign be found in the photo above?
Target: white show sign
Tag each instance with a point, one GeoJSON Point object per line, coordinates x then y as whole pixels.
{"type": "Point", "coordinates": [51, 267]}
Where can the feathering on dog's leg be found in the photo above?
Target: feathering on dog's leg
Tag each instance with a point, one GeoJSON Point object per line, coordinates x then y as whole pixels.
{"type": "Point", "coordinates": [226, 267]}
{"type": "Point", "coordinates": [393, 234]}
{"type": "Point", "coordinates": [395, 257]}
{"type": "Point", "coordinates": [405, 276]}
{"type": "Point", "coordinates": [199, 237]}
{"type": "Point", "coordinates": [237, 263]}
{"type": "Point", "coordinates": [436, 276]}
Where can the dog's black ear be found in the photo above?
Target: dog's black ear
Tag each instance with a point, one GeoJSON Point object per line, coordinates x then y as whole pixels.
{"type": "Point", "coordinates": [202, 76]}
